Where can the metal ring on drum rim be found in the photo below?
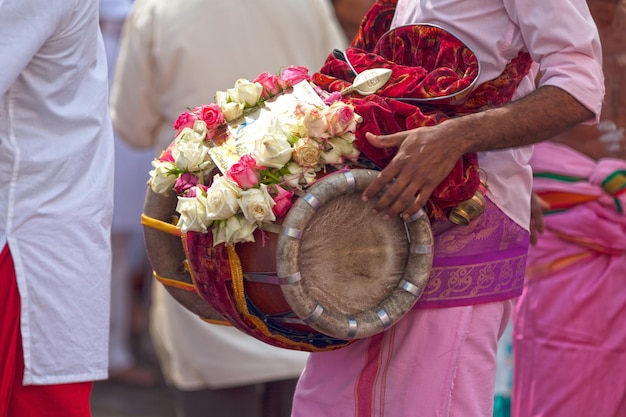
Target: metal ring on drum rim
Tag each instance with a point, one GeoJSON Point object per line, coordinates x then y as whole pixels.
{"type": "Point", "coordinates": [322, 318]}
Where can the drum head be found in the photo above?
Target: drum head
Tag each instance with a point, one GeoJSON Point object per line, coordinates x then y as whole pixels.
{"type": "Point", "coordinates": [349, 273]}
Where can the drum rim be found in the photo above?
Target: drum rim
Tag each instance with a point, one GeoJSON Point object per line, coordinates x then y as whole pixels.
{"type": "Point", "coordinates": [322, 318]}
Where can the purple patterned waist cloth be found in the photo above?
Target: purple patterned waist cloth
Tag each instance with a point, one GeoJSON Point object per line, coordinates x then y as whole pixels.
{"type": "Point", "coordinates": [479, 263]}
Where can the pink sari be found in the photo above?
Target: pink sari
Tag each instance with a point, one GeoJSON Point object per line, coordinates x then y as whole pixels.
{"type": "Point", "coordinates": [569, 334]}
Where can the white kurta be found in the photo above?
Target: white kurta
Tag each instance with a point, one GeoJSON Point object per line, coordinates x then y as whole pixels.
{"type": "Point", "coordinates": [176, 55]}
{"type": "Point", "coordinates": [56, 167]}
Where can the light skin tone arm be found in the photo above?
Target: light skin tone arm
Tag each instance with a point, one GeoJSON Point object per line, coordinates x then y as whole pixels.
{"type": "Point", "coordinates": [426, 155]}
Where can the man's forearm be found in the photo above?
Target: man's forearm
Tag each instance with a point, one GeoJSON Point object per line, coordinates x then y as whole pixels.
{"type": "Point", "coordinates": [534, 118]}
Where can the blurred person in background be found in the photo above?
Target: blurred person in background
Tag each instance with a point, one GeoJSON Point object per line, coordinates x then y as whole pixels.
{"type": "Point", "coordinates": [350, 13]}
{"type": "Point", "coordinates": [129, 257]}
{"type": "Point", "coordinates": [174, 55]}
{"type": "Point", "coordinates": [569, 342]}
{"type": "Point", "coordinates": [56, 202]}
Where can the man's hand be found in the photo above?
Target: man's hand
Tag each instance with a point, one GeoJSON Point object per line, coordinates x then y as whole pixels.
{"type": "Point", "coordinates": [423, 160]}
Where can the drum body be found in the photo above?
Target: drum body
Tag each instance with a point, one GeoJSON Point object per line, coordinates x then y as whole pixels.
{"type": "Point", "coordinates": [323, 270]}
{"type": "Point", "coordinates": [329, 273]}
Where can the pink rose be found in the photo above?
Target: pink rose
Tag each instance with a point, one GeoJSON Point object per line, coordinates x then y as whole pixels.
{"type": "Point", "coordinates": [244, 172]}
{"type": "Point", "coordinates": [186, 119]}
{"type": "Point", "coordinates": [332, 97]}
{"type": "Point", "coordinates": [270, 84]}
{"type": "Point", "coordinates": [185, 182]}
{"type": "Point", "coordinates": [341, 119]}
{"type": "Point", "coordinates": [166, 155]}
{"type": "Point", "coordinates": [211, 114]}
{"type": "Point", "coordinates": [283, 202]}
{"type": "Point", "coordinates": [292, 75]}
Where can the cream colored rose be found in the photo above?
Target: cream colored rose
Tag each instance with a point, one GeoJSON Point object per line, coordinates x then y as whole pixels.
{"type": "Point", "coordinates": [332, 155]}
{"type": "Point", "coordinates": [162, 177]}
{"type": "Point", "coordinates": [306, 152]}
{"type": "Point", "coordinates": [199, 126]}
{"type": "Point", "coordinates": [346, 148]}
{"type": "Point", "coordinates": [235, 229]}
{"type": "Point", "coordinates": [222, 98]}
{"type": "Point", "coordinates": [247, 93]}
{"type": "Point", "coordinates": [349, 137]}
{"type": "Point", "coordinates": [188, 135]}
{"type": "Point", "coordinates": [229, 106]}
{"type": "Point", "coordinates": [232, 111]}
{"type": "Point", "coordinates": [272, 150]}
{"type": "Point", "coordinates": [341, 118]}
{"type": "Point", "coordinates": [314, 123]}
{"type": "Point", "coordinates": [192, 156]}
{"type": "Point", "coordinates": [192, 212]}
{"type": "Point", "coordinates": [256, 205]}
{"type": "Point", "coordinates": [298, 176]}
{"type": "Point", "coordinates": [222, 199]}
{"type": "Point", "coordinates": [339, 149]}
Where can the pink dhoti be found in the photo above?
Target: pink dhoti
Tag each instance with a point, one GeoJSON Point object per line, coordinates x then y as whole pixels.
{"type": "Point", "coordinates": [441, 360]}
{"type": "Point", "coordinates": [569, 333]}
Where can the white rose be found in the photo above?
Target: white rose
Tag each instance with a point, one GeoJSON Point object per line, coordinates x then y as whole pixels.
{"type": "Point", "coordinates": [192, 156]}
{"type": "Point", "coordinates": [222, 199]}
{"type": "Point", "coordinates": [338, 150]}
{"type": "Point", "coordinates": [345, 147]}
{"type": "Point", "coordinates": [348, 150]}
{"type": "Point", "coordinates": [163, 177]}
{"type": "Point", "coordinates": [232, 111]}
{"type": "Point", "coordinates": [272, 150]}
{"type": "Point", "coordinates": [188, 135]}
{"type": "Point", "coordinates": [193, 213]}
{"type": "Point", "coordinates": [222, 97]}
{"type": "Point", "coordinates": [229, 106]}
{"type": "Point", "coordinates": [199, 126]}
{"type": "Point", "coordinates": [233, 230]}
{"type": "Point", "coordinates": [247, 93]}
{"type": "Point", "coordinates": [298, 176]}
{"type": "Point", "coordinates": [333, 155]}
{"type": "Point", "coordinates": [349, 137]}
{"type": "Point", "coordinates": [256, 205]}
{"type": "Point", "coordinates": [245, 232]}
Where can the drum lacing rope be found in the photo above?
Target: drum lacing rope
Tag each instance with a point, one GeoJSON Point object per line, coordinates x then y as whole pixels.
{"type": "Point", "coordinates": [171, 229]}
{"type": "Point", "coordinates": [160, 225]}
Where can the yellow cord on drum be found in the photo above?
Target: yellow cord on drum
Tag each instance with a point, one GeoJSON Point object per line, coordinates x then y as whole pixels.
{"type": "Point", "coordinates": [160, 225]}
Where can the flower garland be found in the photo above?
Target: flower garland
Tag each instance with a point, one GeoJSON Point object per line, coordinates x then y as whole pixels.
{"type": "Point", "coordinates": [236, 164]}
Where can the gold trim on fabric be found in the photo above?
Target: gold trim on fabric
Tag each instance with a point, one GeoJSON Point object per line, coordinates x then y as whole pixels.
{"type": "Point", "coordinates": [216, 322]}
{"type": "Point", "coordinates": [236, 274]}
{"type": "Point", "coordinates": [240, 297]}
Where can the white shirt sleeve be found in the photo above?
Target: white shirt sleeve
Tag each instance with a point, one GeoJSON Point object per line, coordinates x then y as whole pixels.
{"type": "Point", "coordinates": [25, 25]}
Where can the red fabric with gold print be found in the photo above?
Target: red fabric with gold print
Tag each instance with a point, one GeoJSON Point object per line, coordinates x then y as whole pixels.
{"type": "Point", "coordinates": [433, 79]}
